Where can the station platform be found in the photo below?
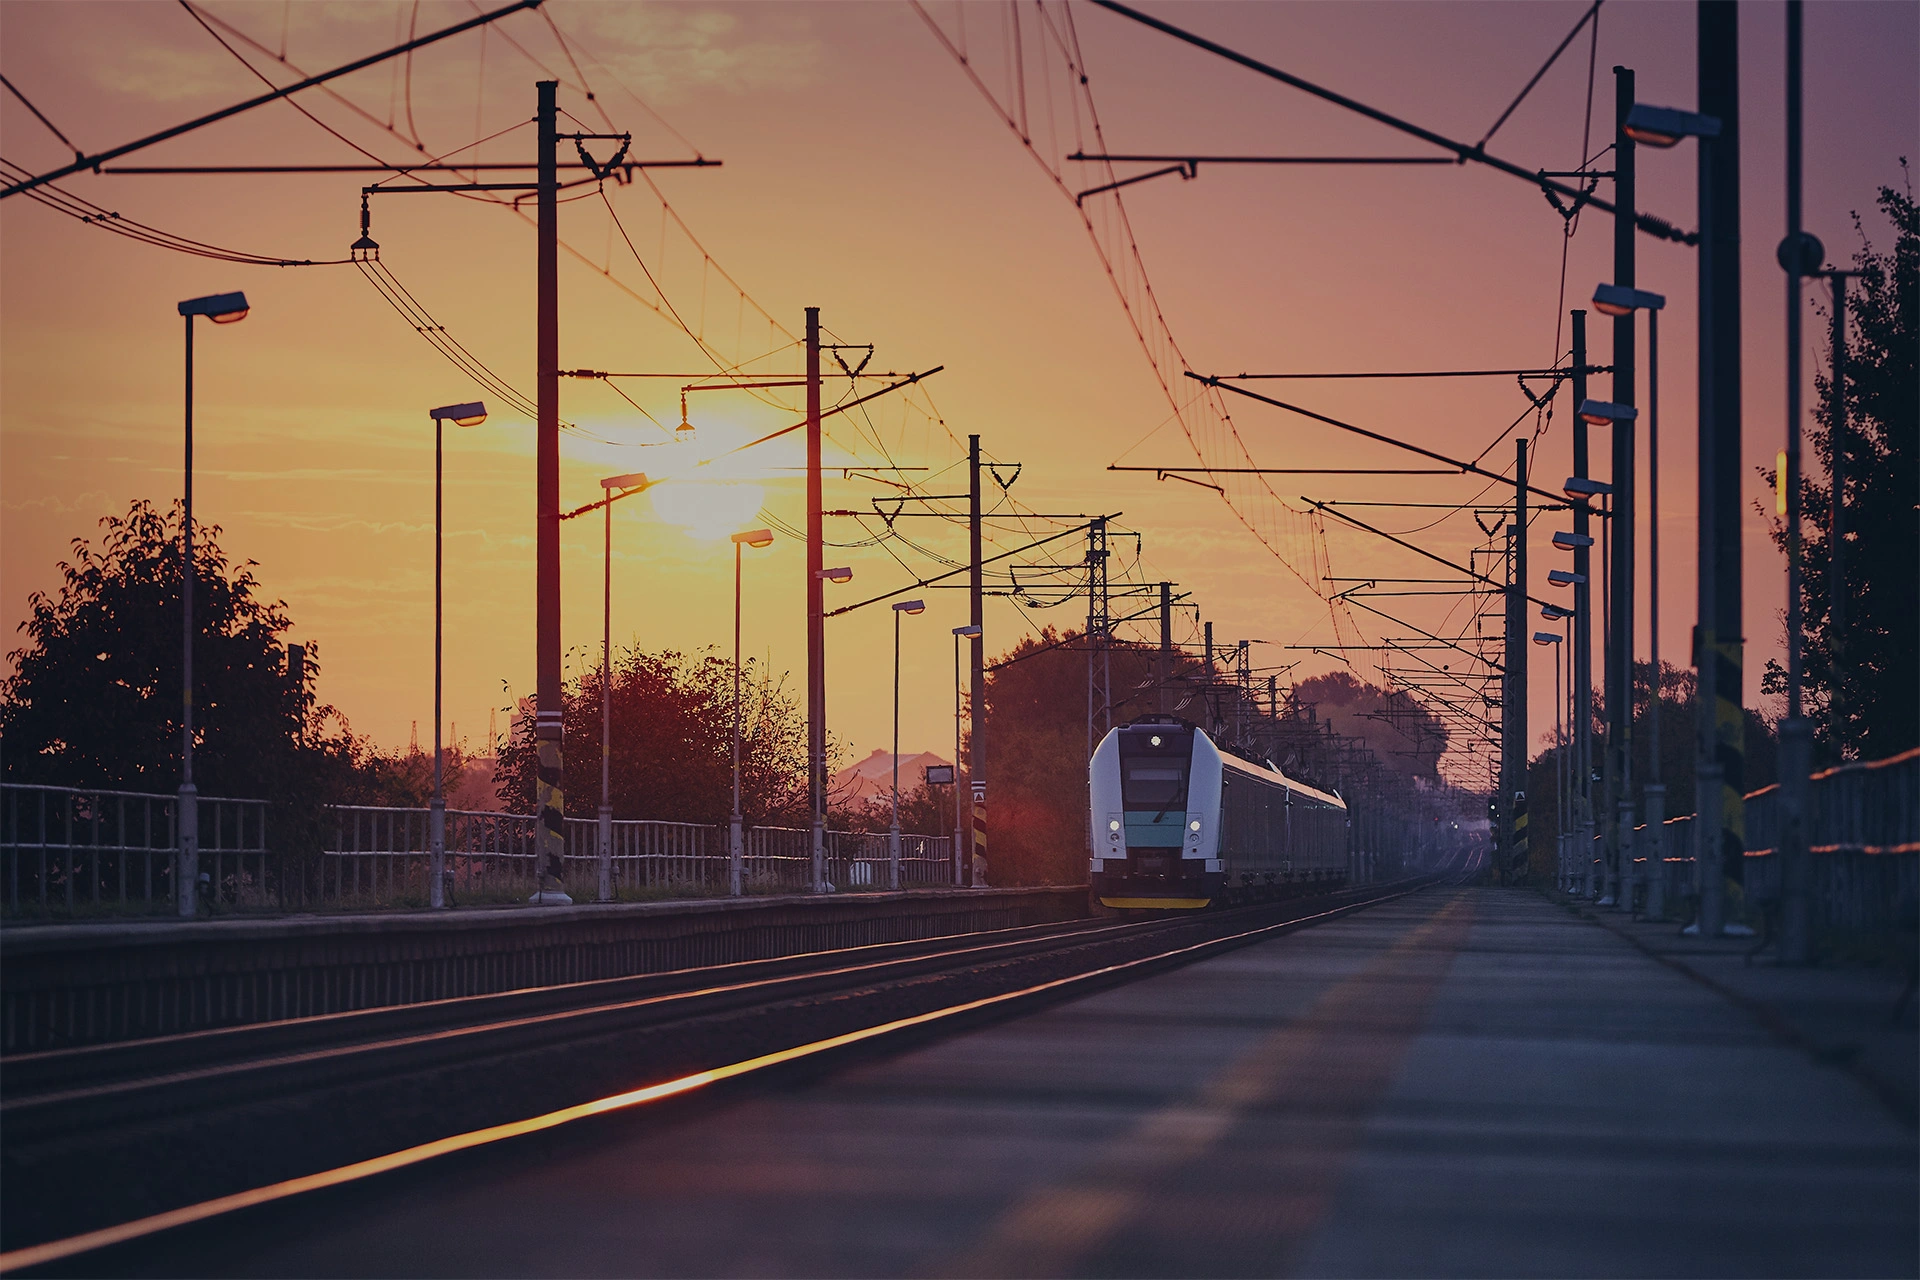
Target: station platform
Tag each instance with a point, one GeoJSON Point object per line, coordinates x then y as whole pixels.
{"type": "Point", "coordinates": [1465, 1081]}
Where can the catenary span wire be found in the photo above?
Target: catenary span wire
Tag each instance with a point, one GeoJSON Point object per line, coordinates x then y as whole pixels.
{"type": "Point", "coordinates": [668, 213]}
{"type": "Point", "coordinates": [83, 210]}
{"type": "Point", "coordinates": [1138, 302]}
{"type": "Point", "coordinates": [39, 115]}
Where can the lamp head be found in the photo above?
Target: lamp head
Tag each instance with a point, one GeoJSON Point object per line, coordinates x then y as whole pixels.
{"type": "Point", "coordinates": [221, 308]}
{"type": "Point", "coordinates": [1602, 413]}
{"type": "Point", "coordinates": [755, 537]}
{"type": "Point", "coordinates": [1570, 541]}
{"type": "Point", "coordinates": [1582, 487]}
{"type": "Point", "coordinates": [967, 631]}
{"type": "Point", "coordinates": [471, 414]}
{"type": "Point", "coordinates": [910, 606]}
{"type": "Point", "coordinates": [632, 480]}
{"type": "Point", "coordinates": [835, 575]}
{"type": "Point", "coordinates": [1554, 613]}
{"type": "Point", "coordinates": [1561, 578]}
{"type": "Point", "coordinates": [1546, 637]}
{"type": "Point", "coordinates": [1664, 126]}
{"type": "Point", "coordinates": [1624, 300]}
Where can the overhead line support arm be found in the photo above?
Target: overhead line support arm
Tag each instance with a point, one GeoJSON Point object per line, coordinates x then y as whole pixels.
{"type": "Point", "coordinates": [1462, 152]}
{"type": "Point", "coordinates": [99, 158]}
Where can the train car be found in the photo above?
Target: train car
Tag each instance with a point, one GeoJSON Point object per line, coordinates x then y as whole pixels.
{"type": "Point", "coordinates": [1179, 823]}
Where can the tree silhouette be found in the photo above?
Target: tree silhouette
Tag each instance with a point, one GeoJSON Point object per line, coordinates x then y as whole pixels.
{"type": "Point", "coordinates": [94, 698]}
{"type": "Point", "coordinates": [1879, 680]}
{"type": "Point", "coordinates": [672, 717]}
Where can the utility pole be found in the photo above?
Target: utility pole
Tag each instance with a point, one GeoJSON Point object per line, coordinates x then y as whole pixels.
{"type": "Point", "coordinates": [1514, 720]}
{"type": "Point", "coordinates": [1213, 727]}
{"type": "Point", "coordinates": [549, 718]}
{"type": "Point", "coordinates": [1165, 664]}
{"type": "Point", "coordinates": [1720, 768]}
{"type": "Point", "coordinates": [1098, 621]}
{"type": "Point", "coordinates": [816, 623]}
{"type": "Point", "coordinates": [1796, 753]}
{"type": "Point", "coordinates": [1620, 706]}
{"type": "Point", "coordinates": [977, 752]}
{"type": "Point", "coordinates": [1582, 624]}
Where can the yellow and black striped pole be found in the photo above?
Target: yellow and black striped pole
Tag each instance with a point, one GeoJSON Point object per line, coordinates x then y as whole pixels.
{"type": "Point", "coordinates": [979, 835]}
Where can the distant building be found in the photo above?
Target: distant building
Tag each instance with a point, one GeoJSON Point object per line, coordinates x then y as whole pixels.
{"type": "Point", "coordinates": [872, 778]}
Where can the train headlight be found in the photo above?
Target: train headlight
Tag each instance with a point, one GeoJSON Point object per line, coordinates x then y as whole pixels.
{"type": "Point", "coordinates": [1194, 826]}
{"type": "Point", "coordinates": [1113, 824]}
{"type": "Point", "coordinates": [1155, 739]}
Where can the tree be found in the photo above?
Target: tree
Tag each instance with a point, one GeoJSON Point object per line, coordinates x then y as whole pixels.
{"type": "Point", "coordinates": [94, 699]}
{"type": "Point", "coordinates": [1878, 684]}
{"type": "Point", "coordinates": [672, 717]}
{"type": "Point", "coordinates": [1677, 758]}
{"type": "Point", "coordinates": [1401, 731]}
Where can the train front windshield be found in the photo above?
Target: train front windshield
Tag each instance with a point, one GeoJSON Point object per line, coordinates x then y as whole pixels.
{"type": "Point", "coordinates": [1153, 771]}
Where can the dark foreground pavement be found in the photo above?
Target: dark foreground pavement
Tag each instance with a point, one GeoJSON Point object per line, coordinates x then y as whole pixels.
{"type": "Point", "coordinates": [1463, 1082]}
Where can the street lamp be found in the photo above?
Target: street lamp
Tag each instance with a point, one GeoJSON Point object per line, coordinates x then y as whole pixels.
{"type": "Point", "coordinates": [1663, 127]}
{"type": "Point", "coordinates": [1561, 578]}
{"type": "Point", "coordinates": [1603, 413]}
{"type": "Point", "coordinates": [1570, 541]}
{"type": "Point", "coordinates": [893, 832]}
{"type": "Point", "coordinates": [736, 851]}
{"type": "Point", "coordinates": [958, 839]}
{"type": "Point", "coordinates": [471, 414]}
{"type": "Point", "coordinates": [834, 575]}
{"type": "Point", "coordinates": [1579, 488]}
{"type": "Point", "coordinates": [632, 482]}
{"type": "Point", "coordinates": [221, 308]}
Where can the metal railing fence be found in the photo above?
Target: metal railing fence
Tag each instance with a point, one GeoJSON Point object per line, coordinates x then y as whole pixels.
{"type": "Point", "coordinates": [381, 853]}
{"type": "Point", "coordinates": [78, 848]}
{"type": "Point", "coordinates": [1863, 828]}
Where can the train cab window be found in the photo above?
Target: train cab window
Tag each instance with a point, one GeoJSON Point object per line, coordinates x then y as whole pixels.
{"type": "Point", "coordinates": [1153, 768]}
{"type": "Point", "coordinates": [1153, 784]}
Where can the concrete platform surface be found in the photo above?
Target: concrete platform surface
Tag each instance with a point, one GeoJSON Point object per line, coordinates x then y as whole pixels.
{"type": "Point", "coordinates": [1463, 1082]}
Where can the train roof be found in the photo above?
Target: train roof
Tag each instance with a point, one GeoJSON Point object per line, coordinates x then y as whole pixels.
{"type": "Point", "coordinates": [1240, 764]}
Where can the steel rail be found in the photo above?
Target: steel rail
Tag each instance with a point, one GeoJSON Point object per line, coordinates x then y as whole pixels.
{"type": "Point", "coordinates": [883, 1035]}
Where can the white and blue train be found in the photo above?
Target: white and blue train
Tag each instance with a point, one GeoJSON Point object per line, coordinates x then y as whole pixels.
{"type": "Point", "coordinates": [1179, 823]}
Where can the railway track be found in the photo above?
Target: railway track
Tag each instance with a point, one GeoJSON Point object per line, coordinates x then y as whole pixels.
{"type": "Point", "coordinates": [162, 1134]}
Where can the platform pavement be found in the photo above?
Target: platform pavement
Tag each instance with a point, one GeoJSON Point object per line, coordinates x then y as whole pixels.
{"type": "Point", "coordinates": [1462, 1082]}
{"type": "Point", "coordinates": [1859, 1017]}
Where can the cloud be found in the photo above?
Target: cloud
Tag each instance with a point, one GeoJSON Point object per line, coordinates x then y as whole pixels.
{"type": "Point", "coordinates": [665, 51]}
{"type": "Point", "coordinates": [153, 72]}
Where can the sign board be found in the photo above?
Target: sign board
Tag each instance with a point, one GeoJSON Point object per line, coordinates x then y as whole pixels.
{"type": "Point", "coordinates": [939, 775]}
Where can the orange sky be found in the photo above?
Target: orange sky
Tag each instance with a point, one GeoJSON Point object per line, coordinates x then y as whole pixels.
{"type": "Point", "coordinates": [865, 175]}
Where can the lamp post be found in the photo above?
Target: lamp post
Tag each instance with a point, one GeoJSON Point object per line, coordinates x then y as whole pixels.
{"type": "Point", "coordinates": [1583, 491]}
{"type": "Point", "coordinates": [958, 836]}
{"type": "Point", "coordinates": [893, 832]}
{"type": "Point", "coordinates": [631, 482]}
{"type": "Point", "coordinates": [471, 414]}
{"type": "Point", "coordinates": [1621, 300]}
{"type": "Point", "coordinates": [818, 718]}
{"type": "Point", "coordinates": [1717, 645]}
{"type": "Point", "coordinates": [1619, 651]}
{"type": "Point", "coordinates": [736, 836]}
{"type": "Point", "coordinates": [1800, 254]}
{"type": "Point", "coordinates": [1560, 750]}
{"type": "Point", "coordinates": [1568, 760]}
{"type": "Point", "coordinates": [221, 308]}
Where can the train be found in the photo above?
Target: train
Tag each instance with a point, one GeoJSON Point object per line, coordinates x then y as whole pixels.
{"type": "Point", "coordinates": [1178, 823]}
